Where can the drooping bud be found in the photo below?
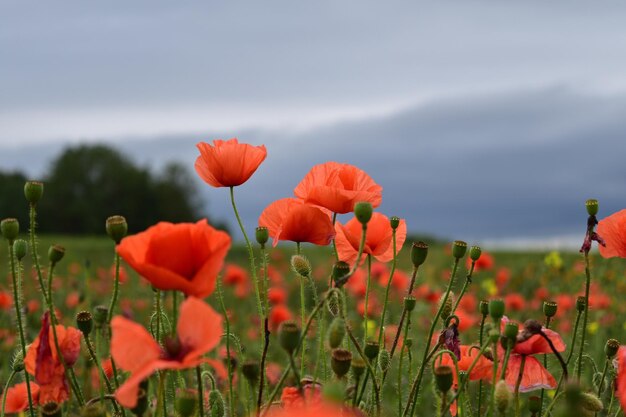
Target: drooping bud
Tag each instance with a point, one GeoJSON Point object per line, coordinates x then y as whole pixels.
{"type": "Point", "coordinates": [371, 349]}
{"type": "Point", "coordinates": [340, 362]}
{"type": "Point", "coordinates": [336, 332]}
{"type": "Point", "coordinates": [251, 370]}
{"type": "Point", "coordinates": [116, 228]}
{"type": "Point", "coordinates": [216, 404]}
{"type": "Point", "coordinates": [84, 322]}
{"type": "Point", "coordinates": [503, 396]}
{"type": "Point", "coordinates": [443, 378]}
{"type": "Point", "coordinates": [496, 310]}
{"type": "Point", "coordinates": [483, 307]}
{"type": "Point", "coordinates": [358, 367]}
{"type": "Point", "coordinates": [581, 302]}
{"type": "Point", "coordinates": [186, 403]}
{"type": "Point", "coordinates": [475, 253]}
{"type": "Point", "coordinates": [592, 207]}
{"type": "Point", "coordinates": [289, 335]}
{"type": "Point", "coordinates": [340, 273]}
{"type": "Point", "coordinates": [10, 229]}
{"type": "Point", "coordinates": [549, 308]}
{"type": "Point", "coordinates": [510, 330]}
{"type": "Point", "coordinates": [363, 212]}
{"type": "Point", "coordinates": [611, 348]}
{"type": "Point", "coordinates": [590, 402]}
{"type": "Point", "coordinates": [18, 361]}
{"type": "Point", "coordinates": [419, 251]}
{"type": "Point", "coordinates": [301, 265]}
{"type": "Point", "coordinates": [384, 360]}
{"type": "Point", "coordinates": [51, 409]}
{"type": "Point", "coordinates": [394, 222]}
{"type": "Point", "coordinates": [20, 248]}
{"type": "Point", "coordinates": [100, 315]}
{"type": "Point", "coordinates": [55, 253]}
{"type": "Point", "coordinates": [262, 235]}
{"type": "Point", "coordinates": [409, 303]}
{"type": "Point", "coordinates": [458, 249]}
{"type": "Point", "coordinates": [33, 190]}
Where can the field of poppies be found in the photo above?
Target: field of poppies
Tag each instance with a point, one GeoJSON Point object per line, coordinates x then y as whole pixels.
{"type": "Point", "coordinates": [328, 308]}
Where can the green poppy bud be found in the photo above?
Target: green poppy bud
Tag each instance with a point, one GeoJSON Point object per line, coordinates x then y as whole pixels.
{"type": "Point", "coordinates": [371, 350]}
{"type": "Point", "coordinates": [409, 303]}
{"type": "Point", "coordinates": [496, 310]}
{"type": "Point", "coordinates": [358, 367]}
{"type": "Point", "coordinates": [581, 302]}
{"type": "Point", "coordinates": [18, 361]}
{"type": "Point", "coordinates": [394, 222]}
{"type": "Point", "coordinates": [483, 307]}
{"type": "Point", "coordinates": [340, 273]}
{"type": "Point", "coordinates": [186, 403]}
{"type": "Point", "coordinates": [611, 348]}
{"type": "Point", "coordinates": [503, 396]}
{"type": "Point", "coordinates": [510, 330]}
{"type": "Point", "coordinates": [216, 404]}
{"type": "Point", "coordinates": [251, 370]}
{"type": "Point", "coordinates": [55, 253]}
{"type": "Point", "coordinates": [33, 190]}
{"type": "Point", "coordinates": [475, 253]}
{"type": "Point", "coordinates": [262, 235]}
{"type": "Point", "coordinates": [10, 229]}
{"type": "Point", "coordinates": [384, 360]}
{"type": "Point", "coordinates": [301, 265]}
{"type": "Point", "coordinates": [20, 248]}
{"type": "Point", "coordinates": [336, 332]}
{"type": "Point", "coordinates": [100, 315]}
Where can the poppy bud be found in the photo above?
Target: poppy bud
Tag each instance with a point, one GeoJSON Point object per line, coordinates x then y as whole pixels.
{"type": "Point", "coordinates": [443, 378]}
{"type": "Point", "coordinates": [510, 330]}
{"type": "Point", "coordinates": [483, 307]}
{"type": "Point", "coordinates": [496, 310]}
{"type": "Point", "coordinates": [20, 248]}
{"type": "Point", "coordinates": [532, 326]}
{"type": "Point", "coordinates": [289, 335]}
{"type": "Point", "coordinates": [475, 253]}
{"type": "Point", "coordinates": [394, 222]}
{"type": "Point", "coordinates": [333, 304]}
{"type": "Point", "coordinates": [363, 212]}
{"type": "Point", "coordinates": [262, 235]}
{"type": "Point", "coordinates": [458, 249]}
{"type": "Point", "coordinates": [186, 402]}
{"type": "Point", "coordinates": [84, 322]}
{"type": "Point", "coordinates": [358, 367]}
{"type": "Point", "coordinates": [340, 273]}
{"type": "Point", "coordinates": [33, 190]}
{"type": "Point", "coordinates": [590, 402]}
{"type": "Point", "coordinates": [611, 348]}
{"type": "Point", "coordinates": [216, 404]}
{"type": "Point", "coordinates": [116, 228]}
{"type": "Point", "coordinates": [93, 410]}
{"type": "Point", "coordinates": [100, 315]}
{"type": "Point", "coordinates": [10, 229]}
{"type": "Point", "coordinates": [581, 302]}
{"type": "Point", "coordinates": [142, 402]}
{"type": "Point", "coordinates": [419, 251]}
{"type": "Point", "coordinates": [549, 308]}
{"type": "Point", "coordinates": [51, 409]}
{"type": "Point", "coordinates": [534, 404]}
{"type": "Point", "coordinates": [384, 360]}
{"type": "Point", "coordinates": [503, 396]}
{"type": "Point", "coordinates": [18, 361]}
{"type": "Point", "coordinates": [340, 362]}
{"type": "Point", "coordinates": [55, 253]}
{"type": "Point", "coordinates": [446, 309]}
{"type": "Point", "coordinates": [301, 265]}
{"type": "Point", "coordinates": [251, 370]}
{"type": "Point", "coordinates": [409, 303]}
{"type": "Point", "coordinates": [408, 342]}
{"type": "Point", "coordinates": [592, 207]}
{"type": "Point", "coordinates": [371, 350]}
{"type": "Point", "coordinates": [336, 332]}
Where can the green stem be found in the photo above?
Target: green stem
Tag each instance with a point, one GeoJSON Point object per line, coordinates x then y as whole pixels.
{"type": "Point", "coordinates": [200, 390]}
{"type": "Point", "coordinates": [480, 383]}
{"type": "Point", "coordinates": [266, 332]}
{"type": "Point", "coordinates": [492, 403]}
{"type": "Point", "coordinates": [586, 313]}
{"type": "Point", "coordinates": [116, 288]}
{"type": "Point", "coordinates": [17, 283]}
{"type": "Point", "coordinates": [157, 295]}
{"type": "Point", "coordinates": [34, 253]}
{"type": "Point", "coordinates": [367, 294]}
{"type": "Point", "coordinates": [296, 374]}
{"type": "Point", "coordinates": [468, 281]}
{"type": "Point", "coordinates": [507, 354]}
{"type": "Point", "coordinates": [95, 360]}
{"type": "Point", "coordinates": [600, 386]}
{"type": "Point", "coordinates": [393, 270]}
{"type": "Point", "coordinates": [228, 359]}
{"type": "Point", "coordinates": [463, 382]}
{"type": "Point", "coordinates": [6, 389]}
{"type": "Point", "coordinates": [174, 311]}
{"type": "Point", "coordinates": [551, 405]}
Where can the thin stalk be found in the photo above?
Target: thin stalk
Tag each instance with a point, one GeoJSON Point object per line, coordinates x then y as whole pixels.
{"type": "Point", "coordinates": [601, 385]}
{"type": "Point", "coordinates": [294, 369]}
{"type": "Point", "coordinates": [468, 281]}
{"type": "Point", "coordinates": [367, 295]}
{"type": "Point", "coordinates": [507, 354]}
{"type": "Point", "coordinates": [34, 252]}
{"type": "Point", "coordinates": [157, 296]}
{"type": "Point", "coordinates": [116, 288]}
{"type": "Point", "coordinates": [266, 333]}
{"type": "Point", "coordinates": [200, 390]}
{"type": "Point", "coordinates": [545, 361]}
{"type": "Point", "coordinates": [393, 270]}
{"type": "Point", "coordinates": [586, 313]}
{"type": "Point", "coordinates": [228, 360]}
{"type": "Point", "coordinates": [402, 317]}
{"type": "Point", "coordinates": [480, 383]}
{"type": "Point", "coordinates": [6, 389]}
{"type": "Point", "coordinates": [174, 311]}
{"type": "Point", "coordinates": [412, 400]}
{"type": "Point", "coordinates": [302, 314]}
{"type": "Point", "coordinates": [492, 403]}
{"type": "Point", "coordinates": [552, 403]}
{"type": "Point", "coordinates": [95, 360]}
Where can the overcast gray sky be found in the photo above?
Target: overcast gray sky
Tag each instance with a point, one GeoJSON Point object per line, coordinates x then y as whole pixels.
{"type": "Point", "coordinates": [468, 113]}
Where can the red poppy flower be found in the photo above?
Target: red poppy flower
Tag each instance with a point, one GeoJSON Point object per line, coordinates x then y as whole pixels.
{"type": "Point", "coordinates": [6, 300]}
{"type": "Point", "coordinates": [484, 263]}
{"type": "Point", "coordinates": [276, 295]}
{"type": "Point", "coordinates": [199, 330]}
{"type": "Point", "coordinates": [228, 163]}
{"type": "Point", "coordinates": [483, 370]}
{"type": "Point", "coordinates": [514, 302]}
{"type": "Point", "coordinates": [278, 314]}
{"type": "Point", "coordinates": [292, 398]}
{"type": "Point", "coordinates": [184, 256]}
{"type": "Point", "coordinates": [17, 397]}
{"type": "Point", "coordinates": [621, 376]}
{"type": "Point", "coordinates": [338, 187]}
{"type": "Point", "coordinates": [42, 360]}
{"type": "Point", "coordinates": [291, 219]}
{"type": "Point", "coordinates": [378, 239]}
{"type": "Point", "coordinates": [613, 231]}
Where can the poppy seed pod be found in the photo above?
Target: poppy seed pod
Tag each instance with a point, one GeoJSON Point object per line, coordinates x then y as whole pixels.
{"type": "Point", "coordinates": [116, 228]}
{"type": "Point", "coordinates": [55, 253]}
{"type": "Point", "coordinates": [443, 378]}
{"type": "Point", "coordinates": [496, 309]}
{"type": "Point", "coordinates": [93, 410]}
{"type": "Point", "coordinates": [216, 403]}
{"type": "Point", "coordinates": [549, 308]}
{"type": "Point", "coordinates": [534, 404]}
{"type": "Point", "coordinates": [20, 248]}
{"type": "Point", "coordinates": [394, 221]}
{"type": "Point", "coordinates": [262, 235]}
{"type": "Point", "coordinates": [10, 229]}
{"type": "Point", "coordinates": [251, 370]}
{"type": "Point", "coordinates": [503, 396]}
{"type": "Point", "coordinates": [458, 249]}
{"type": "Point", "coordinates": [363, 211]}
{"type": "Point", "coordinates": [581, 302]}
{"type": "Point", "coordinates": [100, 315]}
{"type": "Point", "coordinates": [289, 335]}
{"type": "Point", "coordinates": [384, 360]}
{"type": "Point", "coordinates": [301, 265]}
{"type": "Point", "coordinates": [483, 307]}
{"type": "Point", "coordinates": [611, 348]}
{"type": "Point", "coordinates": [84, 322]}
{"type": "Point", "coordinates": [409, 303]}
{"type": "Point", "coordinates": [358, 367]}
{"type": "Point", "coordinates": [340, 273]}
{"type": "Point", "coordinates": [371, 350]}
{"type": "Point", "coordinates": [475, 253]}
{"type": "Point", "coordinates": [419, 251]}
{"type": "Point", "coordinates": [186, 403]}
{"type": "Point", "coordinates": [510, 330]}
{"type": "Point", "coordinates": [592, 207]}
{"type": "Point", "coordinates": [33, 190]}
{"type": "Point", "coordinates": [336, 332]}
{"type": "Point", "coordinates": [340, 362]}
{"type": "Point", "coordinates": [51, 409]}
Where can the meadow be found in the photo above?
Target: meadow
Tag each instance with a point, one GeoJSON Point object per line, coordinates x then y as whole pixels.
{"type": "Point", "coordinates": [180, 320]}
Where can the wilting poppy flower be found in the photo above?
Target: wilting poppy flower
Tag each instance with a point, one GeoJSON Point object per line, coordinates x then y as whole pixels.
{"type": "Point", "coordinates": [613, 231]}
{"type": "Point", "coordinates": [378, 239]}
{"type": "Point", "coordinates": [42, 360]}
{"type": "Point", "coordinates": [291, 219]}
{"type": "Point", "coordinates": [228, 163]}
{"type": "Point", "coordinates": [17, 397]}
{"type": "Point", "coordinates": [199, 330]}
{"type": "Point", "coordinates": [183, 256]}
{"type": "Point", "coordinates": [338, 187]}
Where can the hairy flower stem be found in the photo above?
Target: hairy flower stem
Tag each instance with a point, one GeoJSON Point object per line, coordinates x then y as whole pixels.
{"type": "Point", "coordinates": [418, 379]}
{"type": "Point", "coordinates": [6, 389]}
{"type": "Point", "coordinates": [95, 360]}
{"type": "Point", "coordinates": [412, 399]}
{"type": "Point", "coordinates": [468, 281]}
{"type": "Point", "coordinates": [302, 314]}
{"type": "Point", "coordinates": [228, 359]}
{"type": "Point", "coordinates": [200, 391]}
{"type": "Point", "coordinates": [545, 361]}
{"type": "Point", "coordinates": [17, 301]}
{"type": "Point", "coordinates": [174, 311]}
{"type": "Point", "coordinates": [492, 403]}
{"type": "Point", "coordinates": [367, 297]}
{"type": "Point", "coordinates": [34, 252]}
{"type": "Point", "coordinates": [507, 354]}
{"type": "Point", "coordinates": [586, 313]}
{"type": "Point", "coordinates": [480, 339]}
{"type": "Point", "coordinates": [266, 332]}
{"type": "Point", "coordinates": [116, 288]}
{"type": "Point", "coordinates": [393, 270]}
{"type": "Point", "coordinates": [157, 307]}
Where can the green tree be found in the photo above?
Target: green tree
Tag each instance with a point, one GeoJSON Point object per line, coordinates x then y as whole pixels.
{"type": "Point", "coordinates": [12, 202]}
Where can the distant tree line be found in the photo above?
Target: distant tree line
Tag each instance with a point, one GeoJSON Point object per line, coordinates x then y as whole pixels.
{"type": "Point", "coordinates": [88, 183]}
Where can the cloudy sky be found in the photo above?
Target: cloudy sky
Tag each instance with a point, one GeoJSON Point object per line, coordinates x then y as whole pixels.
{"type": "Point", "coordinates": [480, 119]}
